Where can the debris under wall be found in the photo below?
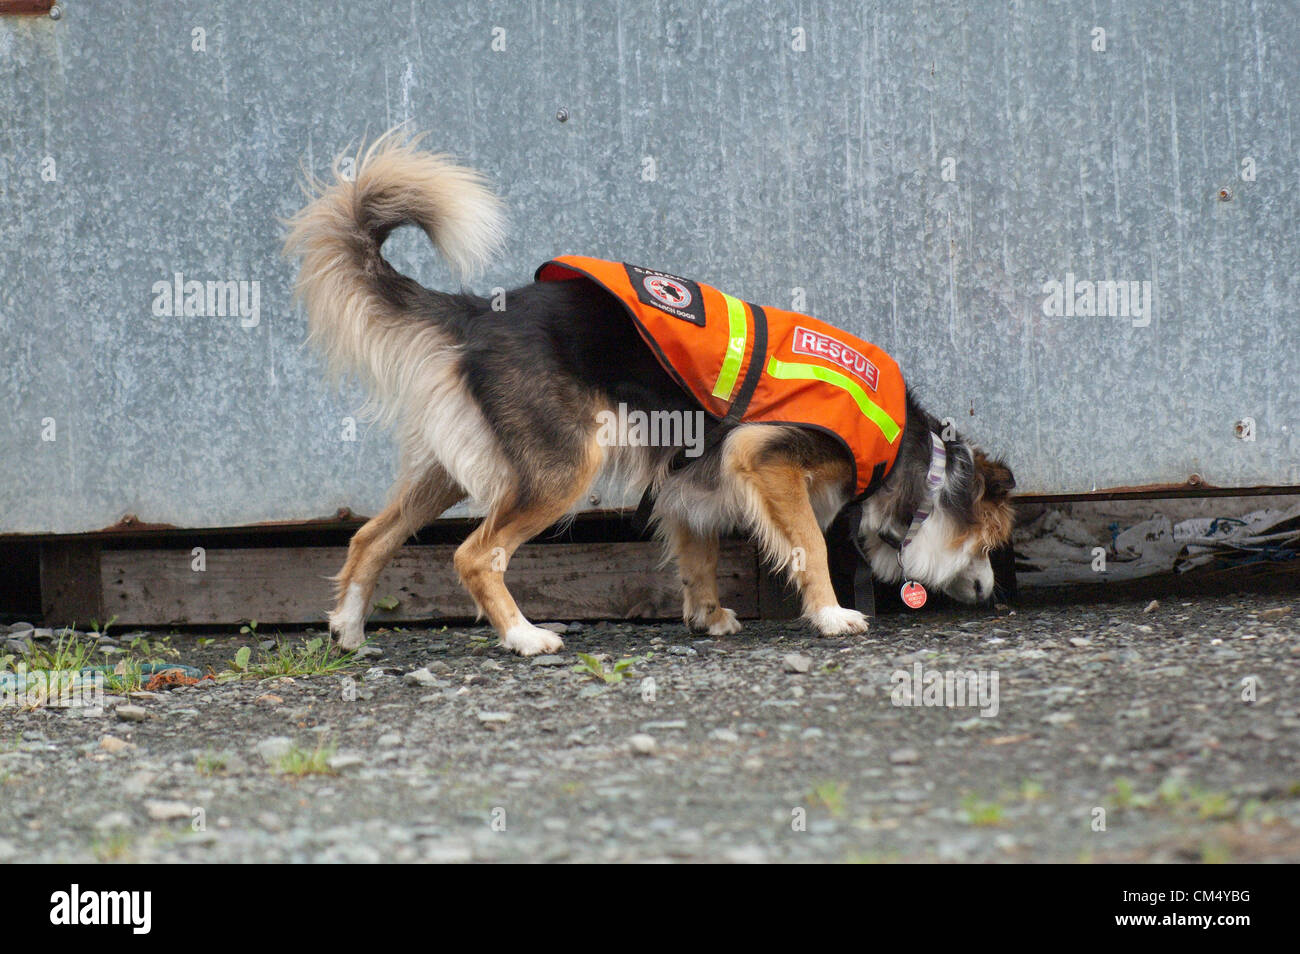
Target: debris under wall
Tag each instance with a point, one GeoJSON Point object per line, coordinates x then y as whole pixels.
{"type": "Point", "coordinates": [1113, 541]}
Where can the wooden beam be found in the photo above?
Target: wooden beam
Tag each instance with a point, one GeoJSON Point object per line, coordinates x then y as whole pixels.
{"type": "Point", "coordinates": [778, 598]}
{"type": "Point", "coordinates": [25, 7]}
{"type": "Point", "coordinates": [292, 585]}
{"type": "Point", "coordinates": [71, 587]}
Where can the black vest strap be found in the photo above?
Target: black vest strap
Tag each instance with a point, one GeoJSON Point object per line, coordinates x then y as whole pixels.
{"type": "Point", "coordinates": [850, 568]}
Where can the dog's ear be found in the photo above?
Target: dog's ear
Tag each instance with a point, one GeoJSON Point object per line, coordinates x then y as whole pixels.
{"type": "Point", "coordinates": [995, 474]}
{"type": "Point", "coordinates": [961, 480]}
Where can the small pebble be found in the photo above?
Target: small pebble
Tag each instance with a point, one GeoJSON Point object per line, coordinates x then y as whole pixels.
{"type": "Point", "coordinates": [273, 749]}
{"type": "Point", "coordinates": [796, 663]}
{"type": "Point", "coordinates": [167, 811]}
{"type": "Point", "coordinates": [345, 762]}
{"type": "Point", "coordinates": [132, 713]}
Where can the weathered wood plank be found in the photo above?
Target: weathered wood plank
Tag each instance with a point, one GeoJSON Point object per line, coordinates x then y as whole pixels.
{"type": "Point", "coordinates": [292, 585]}
{"type": "Point", "coordinates": [778, 598]}
{"type": "Point", "coordinates": [70, 583]}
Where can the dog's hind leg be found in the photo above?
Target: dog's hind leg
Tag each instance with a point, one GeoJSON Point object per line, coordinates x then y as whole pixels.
{"type": "Point", "coordinates": [415, 503]}
{"type": "Point", "coordinates": [697, 564]}
{"type": "Point", "coordinates": [482, 559]}
{"type": "Point", "coordinates": [786, 526]}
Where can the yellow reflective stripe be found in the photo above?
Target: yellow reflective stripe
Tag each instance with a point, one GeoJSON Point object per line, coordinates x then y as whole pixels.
{"type": "Point", "coordinates": [737, 334]}
{"type": "Point", "coordinates": [873, 411]}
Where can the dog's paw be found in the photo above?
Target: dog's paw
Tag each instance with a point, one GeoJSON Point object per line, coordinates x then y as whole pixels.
{"type": "Point", "coordinates": [839, 621]}
{"type": "Point", "coordinates": [529, 640]}
{"type": "Point", "coordinates": [348, 621]}
{"type": "Point", "coordinates": [347, 635]}
{"type": "Point", "coordinates": [723, 622]}
{"type": "Point", "coordinates": [718, 621]}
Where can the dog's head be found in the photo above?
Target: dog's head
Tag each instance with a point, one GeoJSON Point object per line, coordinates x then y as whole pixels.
{"type": "Point", "coordinates": [971, 516]}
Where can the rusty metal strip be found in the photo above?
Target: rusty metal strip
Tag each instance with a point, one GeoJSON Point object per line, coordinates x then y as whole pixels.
{"type": "Point", "coordinates": [25, 7]}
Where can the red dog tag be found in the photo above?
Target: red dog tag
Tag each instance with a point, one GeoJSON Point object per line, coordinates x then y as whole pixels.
{"type": "Point", "coordinates": [913, 594]}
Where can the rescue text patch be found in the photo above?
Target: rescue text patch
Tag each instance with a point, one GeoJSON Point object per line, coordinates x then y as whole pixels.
{"type": "Point", "coordinates": [824, 346]}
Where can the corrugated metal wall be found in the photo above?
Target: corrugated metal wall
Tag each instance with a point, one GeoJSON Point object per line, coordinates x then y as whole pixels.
{"type": "Point", "coordinates": [919, 170]}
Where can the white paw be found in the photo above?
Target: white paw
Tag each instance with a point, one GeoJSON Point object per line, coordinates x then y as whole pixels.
{"type": "Point", "coordinates": [348, 621]}
{"type": "Point", "coordinates": [839, 621]}
{"type": "Point", "coordinates": [724, 623]}
{"type": "Point", "coordinates": [348, 635]}
{"type": "Point", "coordinates": [529, 640]}
{"type": "Point", "coordinates": [720, 622]}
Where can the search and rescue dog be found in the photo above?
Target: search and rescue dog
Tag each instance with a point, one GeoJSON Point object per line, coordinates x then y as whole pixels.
{"type": "Point", "coordinates": [506, 408]}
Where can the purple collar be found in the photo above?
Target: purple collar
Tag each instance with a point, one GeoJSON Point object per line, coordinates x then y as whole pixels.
{"type": "Point", "coordinates": [933, 480]}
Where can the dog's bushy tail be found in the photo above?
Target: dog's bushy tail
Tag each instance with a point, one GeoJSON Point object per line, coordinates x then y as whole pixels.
{"type": "Point", "coordinates": [354, 298]}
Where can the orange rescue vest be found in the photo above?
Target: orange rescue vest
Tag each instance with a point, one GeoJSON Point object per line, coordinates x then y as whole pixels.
{"type": "Point", "coordinates": [743, 363]}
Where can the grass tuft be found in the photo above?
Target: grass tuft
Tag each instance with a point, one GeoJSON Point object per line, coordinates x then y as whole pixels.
{"type": "Point", "coordinates": [829, 795]}
{"type": "Point", "coordinates": [981, 813]}
{"type": "Point", "coordinates": [210, 763]}
{"type": "Point", "coordinates": [316, 657]}
{"type": "Point", "coordinates": [300, 762]}
{"type": "Point", "coordinates": [591, 666]}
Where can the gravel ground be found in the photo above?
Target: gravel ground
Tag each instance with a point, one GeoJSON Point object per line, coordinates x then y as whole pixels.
{"type": "Point", "coordinates": [773, 745]}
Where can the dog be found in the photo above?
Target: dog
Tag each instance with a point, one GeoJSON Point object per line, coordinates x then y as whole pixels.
{"type": "Point", "coordinates": [501, 406]}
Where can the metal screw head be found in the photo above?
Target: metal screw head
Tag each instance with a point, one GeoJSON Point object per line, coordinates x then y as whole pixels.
{"type": "Point", "coordinates": [56, 12]}
{"type": "Point", "coordinates": [562, 114]}
{"type": "Point", "coordinates": [1225, 194]}
{"type": "Point", "coordinates": [594, 499]}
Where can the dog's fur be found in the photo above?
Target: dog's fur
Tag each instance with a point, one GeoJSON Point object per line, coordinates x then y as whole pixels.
{"type": "Point", "coordinates": [502, 407]}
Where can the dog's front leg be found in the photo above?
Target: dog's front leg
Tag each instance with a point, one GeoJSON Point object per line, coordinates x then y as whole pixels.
{"type": "Point", "coordinates": [697, 564]}
{"type": "Point", "coordinates": [810, 570]}
{"type": "Point", "coordinates": [787, 528]}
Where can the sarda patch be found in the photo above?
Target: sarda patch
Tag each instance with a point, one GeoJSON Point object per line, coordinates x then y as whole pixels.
{"type": "Point", "coordinates": [679, 297]}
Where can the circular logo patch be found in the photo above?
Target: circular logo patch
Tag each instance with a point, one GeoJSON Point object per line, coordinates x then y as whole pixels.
{"type": "Point", "coordinates": [672, 293]}
{"type": "Point", "coordinates": [913, 594]}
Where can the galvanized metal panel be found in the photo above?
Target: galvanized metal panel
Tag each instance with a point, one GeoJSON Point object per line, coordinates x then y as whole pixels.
{"type": "Point", "coordinates": [774, 168]}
